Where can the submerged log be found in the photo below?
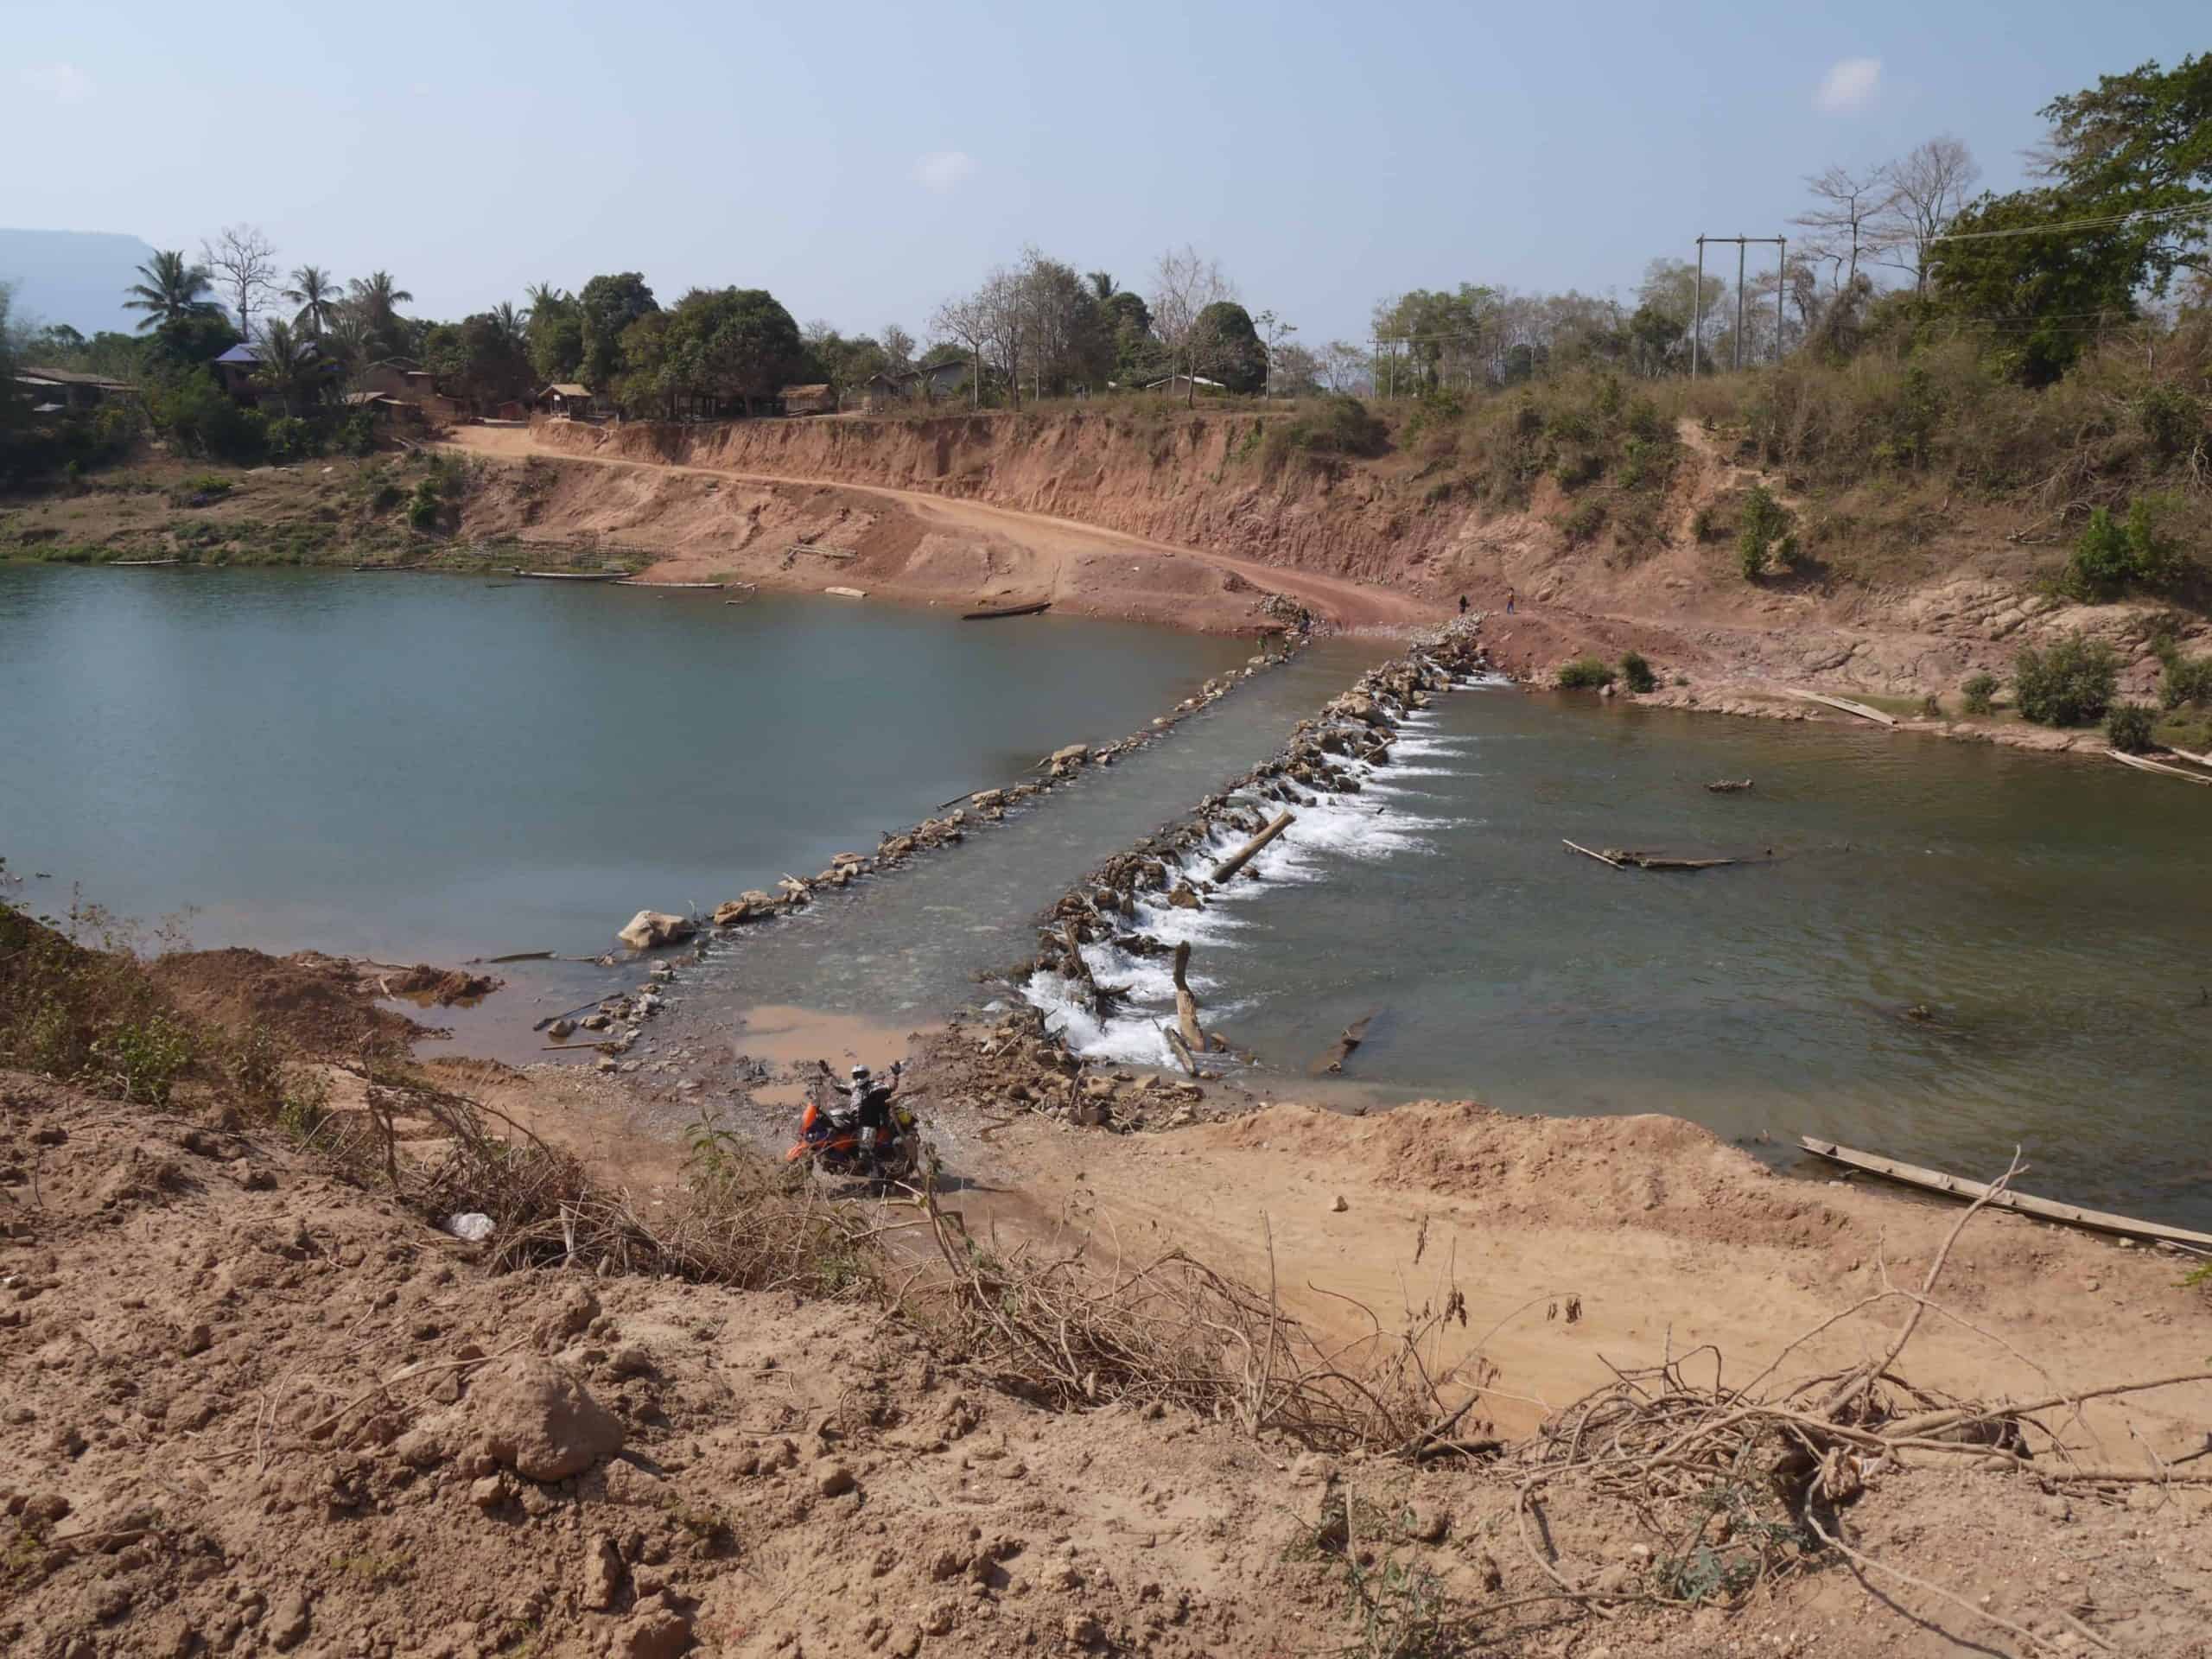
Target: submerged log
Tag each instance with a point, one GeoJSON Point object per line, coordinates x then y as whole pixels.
{"type": "Point", "coordinates": [1354, 1035]}
{"type": "Point", "coordinates": [1245, 855]}
{"type": "Point", "coordinates": [993, 613]}
{"type": "Point", "coordinates": [1619, 859]}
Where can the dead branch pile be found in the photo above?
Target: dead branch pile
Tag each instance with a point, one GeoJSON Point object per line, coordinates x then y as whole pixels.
{"type": "Point", "coordinates": [734, 1222]}
{"type": "Point", "coordinates": [1052, 1323]}
{"type": "Point", "coordinates": [1738, 1484]}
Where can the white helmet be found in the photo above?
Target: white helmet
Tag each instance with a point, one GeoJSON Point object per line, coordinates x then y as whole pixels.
{"type": "Point", "coordinates": [860, 1075]}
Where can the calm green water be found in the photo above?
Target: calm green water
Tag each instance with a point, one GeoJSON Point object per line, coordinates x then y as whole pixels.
{"type": "Point", "coordinates": [431, 767]}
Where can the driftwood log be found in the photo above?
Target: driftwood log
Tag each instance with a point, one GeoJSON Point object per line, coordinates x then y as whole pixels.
{"type": "Point", "coordinates": [1095, 993]}
{"type": "Point", "coordinates": [1354, 1035]}
{"type": "Point", "coordinates": [1728, 785]}
{"type": "Point", "coordinates": [1619, 859]}
{"type": "Point", "coordinates": [1186, 1006]}
{"type": "Point", "coordinates": [1245, 855]}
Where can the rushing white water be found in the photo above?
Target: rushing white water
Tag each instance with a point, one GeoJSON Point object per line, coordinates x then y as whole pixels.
{"type": "Point", "coordinates": [1336, 830]}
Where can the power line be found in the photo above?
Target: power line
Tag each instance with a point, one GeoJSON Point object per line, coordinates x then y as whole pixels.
{"type": "Point", "coordinates": [2109, 222]}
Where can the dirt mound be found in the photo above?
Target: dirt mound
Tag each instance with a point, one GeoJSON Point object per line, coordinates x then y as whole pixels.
{"type": "Point", "coordinates": [442, 986]}
{"type": "Point", "coordinates": [318, 1003]}
{"type": "Point", "coordinates": [1670, 1175]}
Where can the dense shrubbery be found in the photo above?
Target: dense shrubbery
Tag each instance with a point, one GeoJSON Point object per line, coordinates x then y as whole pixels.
{"type": "Point", "coordinates": [1337, 428]}
{"type": "Point", "coordinates": [1635, 672]}
{"type": "Point", "coordinates": [1585, 674]}
{"type": "Point", "coordinates": [1981, 694]}
{"type": "Point", "coordinates": [2127, 726]}
{"type": "Point", "coordinates": [2069, 684]}
{"type": "Point", "coordinates": [2110, 556]}
{"type": "Point", "coordinates": [1766, 534]}
{"type": "Point", "coordinates": [2184, 680]}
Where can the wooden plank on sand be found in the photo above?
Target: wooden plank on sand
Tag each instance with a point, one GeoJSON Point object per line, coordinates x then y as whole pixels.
{"type": "Point", "coordinates": [846, 593]}
{"type": "Point", "coordinates": [1846, 705]}
{"type": "Point", "coordinates": [2141, 764]}
{"type": "Point", "coordinates": [1959, 1186]}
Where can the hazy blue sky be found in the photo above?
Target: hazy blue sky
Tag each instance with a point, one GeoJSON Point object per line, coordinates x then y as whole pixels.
{"type": "Point", "coordinates": [864, 160]}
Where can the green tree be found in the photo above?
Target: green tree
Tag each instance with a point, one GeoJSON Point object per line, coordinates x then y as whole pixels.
{"type": "Point", "coordinates": [2037, 290]}
{"type": "Point", "coordinates": [376, 299]}
{"type": "Point", "coordinates": [2137, 143]}
{"type": "Point", "coordinates": [1225, 347]}
{"type": "Point", "coordinates": [187, 345]}
{"type": "Point", "coordinates": [556, 332]}
{"type": "Point", "coordinates": [316, 293]}
{"type": "Point", "coordinates": [172, 292]}
{"type": "Point", "coordinates": [1443, 334]}
{"type": "Point", "coordinates": [732, 343]}
{"type": "Point", "coordinates": [56, 346]}
{"type": "Point", "coordinates": [290, 365]}
{"type": "Point", "coordinates": [608, 305]}
{"type": "Point", "coordinates": [483, 358]}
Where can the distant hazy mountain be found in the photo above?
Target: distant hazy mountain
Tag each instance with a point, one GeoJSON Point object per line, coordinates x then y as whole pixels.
{"type": "Point", "coordinates": [72, 276]}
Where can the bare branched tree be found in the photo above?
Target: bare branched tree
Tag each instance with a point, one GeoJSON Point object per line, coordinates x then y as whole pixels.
{"type": "Point", "coordinates": [1849, 217]}
{"type": "Point", "coordinates": [963, 322]}
{"type": "Point", "coordinates": [1345, 368]}
{"type": "Point", "coordinates": [1004, 304]}
{"type": "Point", "coordinates": [1183, 284]}
{"type": "Point", "coordinates": [243, 263]}
{"type": "Point", "coordinates": [1930, 187]}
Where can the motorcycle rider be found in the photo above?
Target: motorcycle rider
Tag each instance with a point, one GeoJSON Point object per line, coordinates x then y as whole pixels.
{"type": "Point", "coordinates": [871, 1106]}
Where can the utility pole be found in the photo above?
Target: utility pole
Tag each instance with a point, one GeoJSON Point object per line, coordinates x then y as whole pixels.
{"type": "Point", "coordinates": [1739, 304]}
{"type": "Point", "coordinates": [1781, 282]}
{"type": "Point", "coordinates": [1697, 308]}
{"type": "Point", "coordinates": [1697, 311]}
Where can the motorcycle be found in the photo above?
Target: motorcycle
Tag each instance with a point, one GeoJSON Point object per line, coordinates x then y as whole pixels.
{"type": "Point", "coordinates": [832, 1140]}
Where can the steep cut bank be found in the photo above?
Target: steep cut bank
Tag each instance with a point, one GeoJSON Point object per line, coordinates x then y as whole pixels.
{"type": "Point", "coordinates": [1601, 550]}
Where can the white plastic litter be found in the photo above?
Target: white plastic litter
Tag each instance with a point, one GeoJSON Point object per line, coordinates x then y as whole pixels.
{"type": "Point", "coordinates": [474, 1226]}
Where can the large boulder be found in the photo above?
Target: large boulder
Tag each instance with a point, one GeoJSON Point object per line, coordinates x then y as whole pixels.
{"type": "Point", "coordinates": [731, 912]}
{"type": "Point", "coordinates": [649, 928]}
{"type": "Point", "coordinates": [538, 1419]}
{"type": "Point", "coordinates": [1074, 755]}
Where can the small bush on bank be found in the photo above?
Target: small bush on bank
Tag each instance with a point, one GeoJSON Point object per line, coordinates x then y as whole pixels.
{"type": "Point", "coordinates": [2110, 555]}
{"type": "Point", "coordinates": [1585, 674]}
{"type": "Point", "coordinates": [292, 439]}
{"type": "Point", "coordinates": [2184, 680]}
{"type": "Point", "coordinates": [1339, 428]}
{"type": "Point", "coordinates": [2127, 726]}
{"type": "Point", "coordinates": [1981, 694]}
{"type": "Point", "coordinates": [1636, 673]}
{"type": "Point", "coordinates": [1766, 535]}
{"type": "Point", "coordinates": [2069, 684]}
{"type": "Point", "coordinates": [1585, 522]}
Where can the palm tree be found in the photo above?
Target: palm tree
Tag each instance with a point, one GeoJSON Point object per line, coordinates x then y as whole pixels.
{"type": "Point", "coordinates": [171, 291]}
{"type": "Point", "coordinates": [510, 324]}
{"type": "Point", "coordinates": [378, 300]}
{"type": "Point", "coordinates": [544, 297]}
{"type": "Point", "coordinates": [290, 364]}
{"type": "Point", "coordinates": [317, 294]}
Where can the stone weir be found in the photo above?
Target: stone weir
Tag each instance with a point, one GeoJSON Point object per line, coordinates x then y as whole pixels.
{"type": "Point", "coordinates": [1189, 862]}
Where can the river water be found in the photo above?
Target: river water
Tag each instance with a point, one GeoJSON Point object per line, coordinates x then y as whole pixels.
{"type": "Point", "coordinates": [428, 767]}
{"type": "Point", "coordinates": [439, 767]}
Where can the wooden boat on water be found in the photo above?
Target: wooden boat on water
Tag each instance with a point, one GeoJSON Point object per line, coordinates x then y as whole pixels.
{"type": "Point", "coordinates": [994, 613]}
{"type": "Point", "coordinates": [688, 587]}
{"type": "Point", "coordinates": [142, 564]}
{"type": "Point", "coordinates": [570, 575]}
